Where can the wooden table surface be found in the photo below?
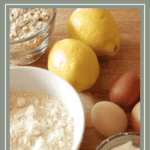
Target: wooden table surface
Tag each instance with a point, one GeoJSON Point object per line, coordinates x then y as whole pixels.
{"type": "Point", "coordinates": [127, 60]}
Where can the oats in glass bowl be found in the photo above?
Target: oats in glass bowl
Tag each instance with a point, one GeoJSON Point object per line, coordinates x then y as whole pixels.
{"type": "Point", "coordinates": [30, 33]}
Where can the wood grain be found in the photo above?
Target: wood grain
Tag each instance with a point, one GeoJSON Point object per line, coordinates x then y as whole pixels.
{"type": "Point", "coordinates": [127, 60]}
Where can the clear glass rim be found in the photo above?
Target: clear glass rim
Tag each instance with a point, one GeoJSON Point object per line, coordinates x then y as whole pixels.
{"type": "Point", "coordinates": [30, 52]}
{"type": "Point", "coordinates": [38, 33]}
{"type": "Point", "coordinates": [116, 136]}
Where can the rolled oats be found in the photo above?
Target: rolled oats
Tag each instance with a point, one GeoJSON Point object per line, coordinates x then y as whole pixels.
{"type": "Point", "coordinates": [25, 22]}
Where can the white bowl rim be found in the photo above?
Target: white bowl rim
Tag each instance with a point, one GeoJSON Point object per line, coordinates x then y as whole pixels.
{"type": "Point", "coordinates": [79, 140]}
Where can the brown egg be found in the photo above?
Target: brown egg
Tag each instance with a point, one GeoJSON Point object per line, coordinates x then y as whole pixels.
{"type": "Point", "coordinates": [135, 117]}
{"type": "Point", "coordinates": [125, 89]}
{"type": "Point", "coordinates": [108, 118]}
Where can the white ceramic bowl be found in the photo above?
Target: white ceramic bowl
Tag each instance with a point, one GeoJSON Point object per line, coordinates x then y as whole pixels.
{"type": "Point", "coordinates": [33, 79]}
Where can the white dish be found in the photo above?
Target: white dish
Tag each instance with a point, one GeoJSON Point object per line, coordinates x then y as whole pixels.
{"type": "Point", "coordinates": [33, 79]}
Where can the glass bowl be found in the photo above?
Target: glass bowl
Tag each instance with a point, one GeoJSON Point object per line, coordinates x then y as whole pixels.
{"type": "Point", "coordinates": [28, 50]}
{"type": "Point", "coordinates": [120, 139]}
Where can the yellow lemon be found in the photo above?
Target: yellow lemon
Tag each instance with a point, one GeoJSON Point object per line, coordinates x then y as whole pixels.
{"type": "Point", "coordinates": [97, 28]}
{"type": "Point", "coordinates": [74, 61]}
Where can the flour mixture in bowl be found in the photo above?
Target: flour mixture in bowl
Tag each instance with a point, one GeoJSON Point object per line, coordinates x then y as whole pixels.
{"type": "Point", "coordinates": [39, 122]}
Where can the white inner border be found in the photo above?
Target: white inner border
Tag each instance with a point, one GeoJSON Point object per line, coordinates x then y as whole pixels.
{"type": "Point", "coordinates": [79, 5]}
